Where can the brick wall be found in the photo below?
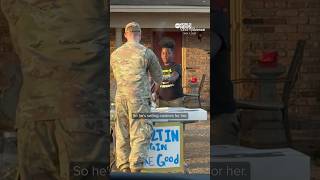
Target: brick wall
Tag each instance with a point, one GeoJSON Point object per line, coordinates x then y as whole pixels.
{"type": "Point", "coordinates": [197, 59]}
{"type": "Point", "coordinates": [277, 25]}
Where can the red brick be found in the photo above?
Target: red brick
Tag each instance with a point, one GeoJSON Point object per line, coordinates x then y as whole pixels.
{"type": "Point", "coordinates": [262, 29]}
{"type": "Point", "coordinates": [253, 36]}
{"type": "Point", "coordinates": [297, 36]}
{"type": "Point", "coordinates": [253, 21]}
{"type": "Point", "coordinates": [288, 45]}
{"type": "Point", "coordinates": [274, 21]}
{"type": "Point", "coordinates": [269, 45]}
{"type": "Point", "coordinates": [309, 12]}
{"type": "Point", "coordinates": [313, 4]}
{"type": "Point", "coordinates": [315, 36]}
{"type": "Point", "coordinates": [275, 36]}
{"type": "Point", "coordinates": [249, 53]}
{"type": "Point", "coordinates": [286, 28]}
{"type": "Point", "coordinates": [315, 20]}
{"type": "Point", "coordinates": [263, 12]}
{"type": "Point", "coordinates": [312, 44]}
{"type": "Point", "coordinates": [312, 53]}
{"type": "Point", "coordinates": [246, 13]}
{"type": "Point", "coordinates": [287, 13]}
{"type": "Point", "coordinates": [275, 4]}
{"type": "Point", "coordinates": [311, 60]}
{"type": "Point", "coordinates": [256, 45]}
{"type": "Point", "coordinates": [282, 52]}
{"type": "Point", "coordinates": [269, 4]}
{"type": "Point", "coordinates": [310, 69]}
{"type": "Point", "coordinates": [253, 4]}
{"type": "Point", "coordinates": [309, 28]}
{"type": "Point", "coordinates": [297, 4]}
{"type": "Point", "coordinates": [307, 77]}
{"type": "Point", "coordinates": [297, 20]}
{"type": "Point", "coordinates": [280, 4]}
{"type": "Point", "coordinates": [246, 29]}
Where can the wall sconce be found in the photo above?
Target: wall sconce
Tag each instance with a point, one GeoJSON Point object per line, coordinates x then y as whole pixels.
{"type": "Point", "coordinates": [200, 35]}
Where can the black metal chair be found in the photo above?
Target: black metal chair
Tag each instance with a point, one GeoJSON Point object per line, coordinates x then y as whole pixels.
{"type": "Point", "coordinates": [198, 94]}
{"type": "Point", "coordinates": [289, 83]}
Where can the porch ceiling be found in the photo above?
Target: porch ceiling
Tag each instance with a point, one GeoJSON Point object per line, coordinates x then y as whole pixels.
{"type": "Point", "coordinates": [164, 9]}
{"type": "Point", "coordinates": [197, 6]}
{"type": "Point", "coordinates": [161, 3]}
{"type": "Point", "coordinates": [160, 20]}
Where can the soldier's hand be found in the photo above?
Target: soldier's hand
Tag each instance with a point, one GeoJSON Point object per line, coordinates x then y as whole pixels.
{"type": "Point", "coordinates": [165, 78]}
{"type": "Point", "coordinates": [171, 79]}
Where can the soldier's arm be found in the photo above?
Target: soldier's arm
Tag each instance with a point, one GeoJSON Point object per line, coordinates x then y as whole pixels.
{"type": "Point", "coordinates": [112, 62]}
{"type": "Point", "coordinates": [154, 66]}
{"type": "Point", "coordinates": [175, 74]}
{"type": "Point", "coordinates": [174, 77]}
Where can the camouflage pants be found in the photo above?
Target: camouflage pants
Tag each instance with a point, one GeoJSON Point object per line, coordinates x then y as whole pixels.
{"type": "Point", "coordinates": [46, 151]}
{"type": "Point", "coordinates": [132, 135]}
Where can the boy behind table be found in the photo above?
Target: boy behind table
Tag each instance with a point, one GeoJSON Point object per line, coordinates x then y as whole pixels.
{"type": "Point", "coordinates": [170, 92]}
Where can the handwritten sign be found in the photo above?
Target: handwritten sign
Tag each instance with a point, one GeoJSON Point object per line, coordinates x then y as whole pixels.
{"type": "Point", "coordinates": [165, 151]}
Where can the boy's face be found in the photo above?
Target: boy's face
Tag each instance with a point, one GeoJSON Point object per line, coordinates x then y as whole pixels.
{"type": "Point", "coordinates": [166, 55]}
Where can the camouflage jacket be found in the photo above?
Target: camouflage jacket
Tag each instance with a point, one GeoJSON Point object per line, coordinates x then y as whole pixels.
{"type": "Point", "coordinates": [62, 46]}
{"type": "Point", "coordinates": [130, 64]}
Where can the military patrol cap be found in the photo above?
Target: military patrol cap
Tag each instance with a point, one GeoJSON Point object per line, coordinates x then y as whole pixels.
{"type": "Point", "coordinates": [132, 27]}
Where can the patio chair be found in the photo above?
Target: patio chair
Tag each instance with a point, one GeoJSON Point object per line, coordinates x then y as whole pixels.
{"type": "Point", "coordinates": [289, 83]}
{"type": "Point", "coordinates": [198, 94]}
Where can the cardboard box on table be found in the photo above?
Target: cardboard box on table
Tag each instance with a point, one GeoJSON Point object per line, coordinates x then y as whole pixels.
{"type": "Point", "coordinates": [166, 150]}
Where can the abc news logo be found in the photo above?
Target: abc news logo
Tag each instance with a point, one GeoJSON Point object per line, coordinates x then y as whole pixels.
{"type": "Point", "coordinates": [187, 27]}
{"type": "Point", "coordinates": [183, 26]}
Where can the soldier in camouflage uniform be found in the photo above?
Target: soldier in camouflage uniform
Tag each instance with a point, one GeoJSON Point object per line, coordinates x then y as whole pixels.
{"type": "Point", "coordinates": [131, 63]}
{"type": "Point", "coordinates": [61, 114]}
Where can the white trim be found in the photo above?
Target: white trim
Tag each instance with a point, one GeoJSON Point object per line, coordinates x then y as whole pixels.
{"type": "Point", "coordinates": [236, 45]}
{"type": "Point", "coordinates": [184, 65]}
{"type": "Point", "coordinates": [129, 8]}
